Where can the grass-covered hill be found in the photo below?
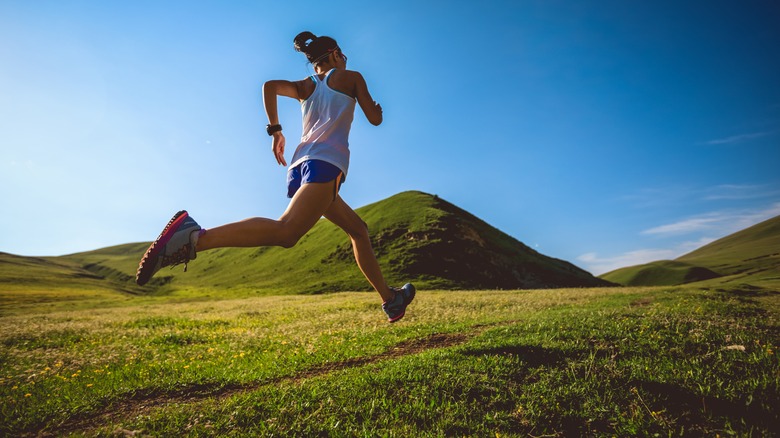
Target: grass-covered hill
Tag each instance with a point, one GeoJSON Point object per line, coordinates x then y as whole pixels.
{"type": "Point", "coordinates": [751, 255]}
{"type": "Point", "coordinates": [660, 273]}
{"type": "Point", "coordinates": [417, 237]}
{"type": "Point", "coordinates": [19, 273]}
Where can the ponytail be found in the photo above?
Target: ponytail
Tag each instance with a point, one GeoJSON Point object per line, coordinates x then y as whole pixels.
{"type": "Point", "coordinates": [315, 48]}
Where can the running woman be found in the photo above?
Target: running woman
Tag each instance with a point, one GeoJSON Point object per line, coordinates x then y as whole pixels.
{"type": "Point", "coordinates": [319, 167]}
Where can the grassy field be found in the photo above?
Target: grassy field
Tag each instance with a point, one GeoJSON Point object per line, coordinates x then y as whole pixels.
{"type": "Point", "coordinates": [612, 361]}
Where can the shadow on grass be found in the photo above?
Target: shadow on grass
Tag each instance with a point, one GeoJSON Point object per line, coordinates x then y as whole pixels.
{"type": "Point", "coordinates": [740, 301]}
{"type": "Point", "coordinates": [695, 411]}
{"type": "Point", "coordinates": [745, 291]}
{"type": "Point", "coordinates": [692, 413]}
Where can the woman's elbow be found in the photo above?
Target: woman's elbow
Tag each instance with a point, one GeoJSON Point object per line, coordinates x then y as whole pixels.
{"type": "Point", "coordinates": [374, 117]}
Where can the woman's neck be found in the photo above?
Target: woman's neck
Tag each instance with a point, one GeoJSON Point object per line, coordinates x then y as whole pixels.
{"type": "Point", "coordinates": [323, 68]}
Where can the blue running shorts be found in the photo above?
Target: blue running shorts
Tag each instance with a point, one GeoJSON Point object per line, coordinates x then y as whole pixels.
{"type": "Point", "coordinates": [313, 171]}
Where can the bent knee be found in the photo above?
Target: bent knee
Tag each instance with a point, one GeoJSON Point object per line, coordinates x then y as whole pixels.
{"type": "Point", "coordinates": [288, 243]}
{"type": "Point", "coordinates": [289, 239]}
{"type": "Point", "coordinates": [360, 231]}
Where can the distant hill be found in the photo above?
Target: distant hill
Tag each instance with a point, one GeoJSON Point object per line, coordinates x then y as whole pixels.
{"type": "Point", "coordinates": [40, 272]}
{"type": "Point", "coordinates": [750, 255]}
{"type": "Point", "coordinates": [417, 237]}
{"type": "Point", "coordinates": [660, 273]}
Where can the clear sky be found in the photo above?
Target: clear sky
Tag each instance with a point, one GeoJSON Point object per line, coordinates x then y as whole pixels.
{"type": "Point", "coordinates": [607, 133]}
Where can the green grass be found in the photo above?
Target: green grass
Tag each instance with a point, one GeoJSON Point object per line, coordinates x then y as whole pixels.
{"type": "Point", "coordinates": [240, 347]}
{"type": "Point", "coordinates": [613, 361]}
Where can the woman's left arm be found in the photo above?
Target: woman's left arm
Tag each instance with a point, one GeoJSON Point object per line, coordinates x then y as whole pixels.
{"type": "Point", "coordinates": [371, 109]}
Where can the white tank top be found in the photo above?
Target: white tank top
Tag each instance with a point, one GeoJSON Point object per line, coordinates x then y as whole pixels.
{"type": "Point", "coordinates": [327, 119]}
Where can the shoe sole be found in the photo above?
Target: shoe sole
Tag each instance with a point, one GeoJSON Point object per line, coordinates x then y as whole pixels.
{"type": "Point", "coordinates": [397, 318]}
{"type": "Point", "coordinates": [145, 269]}
{"type": "Point", "coordinates": [411, 298]}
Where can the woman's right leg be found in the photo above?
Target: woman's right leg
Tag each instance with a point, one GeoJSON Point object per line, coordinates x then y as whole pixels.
{"type": "Point", "coordinates": [345, 218]}
{"type": "Point", "coordinates": [306, 207]}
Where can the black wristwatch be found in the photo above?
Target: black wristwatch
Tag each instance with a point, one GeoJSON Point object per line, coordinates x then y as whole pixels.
{"type": "Point", "coordinates": [270, 129]}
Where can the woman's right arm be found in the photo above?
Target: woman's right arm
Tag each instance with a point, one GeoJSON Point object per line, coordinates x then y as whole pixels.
{"type": "Point", "coordinates": [271, 89]}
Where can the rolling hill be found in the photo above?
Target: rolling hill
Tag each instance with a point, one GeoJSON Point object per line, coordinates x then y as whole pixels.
{"type": "Point", "coordinates": [751, 255]}
{"type": "Point", "coordinates": [660, 273]}
{"type": "Point", "coordinates": [417, 237]}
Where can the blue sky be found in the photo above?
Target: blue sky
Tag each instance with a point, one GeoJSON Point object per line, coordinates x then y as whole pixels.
{"type": "Point", "coordinates": [605, 133]}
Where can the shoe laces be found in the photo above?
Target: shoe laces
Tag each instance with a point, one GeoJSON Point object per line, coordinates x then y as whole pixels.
{"type": "Point", "coordinates": [177, 258]}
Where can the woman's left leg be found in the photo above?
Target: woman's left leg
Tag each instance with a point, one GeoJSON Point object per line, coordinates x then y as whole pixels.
{"type": "Point", "coordinates": [176, 242]}
{"type": "Point", "coordinates": [307, 206]}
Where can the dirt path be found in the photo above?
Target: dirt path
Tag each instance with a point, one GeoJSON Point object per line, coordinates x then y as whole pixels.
{"type": "Point", "coordinates": [141, 403]}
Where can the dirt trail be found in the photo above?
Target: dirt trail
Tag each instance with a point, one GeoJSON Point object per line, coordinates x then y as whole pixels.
{"type": "Point", "coordinates": [142, 403]}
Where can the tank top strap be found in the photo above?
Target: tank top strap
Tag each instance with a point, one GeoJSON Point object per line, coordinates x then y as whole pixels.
{"type": "Point", "coordinates": [317, 80]}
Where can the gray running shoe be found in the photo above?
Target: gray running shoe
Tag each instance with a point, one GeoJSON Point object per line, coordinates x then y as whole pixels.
{"type": "Point", "coordinates": [172, 247]}
{"type": "Point", "coordinates": [396, 308]}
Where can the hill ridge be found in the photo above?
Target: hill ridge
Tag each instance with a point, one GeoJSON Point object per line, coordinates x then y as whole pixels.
{"type": "Point", "coordinates": [748, 255]}
{"type": "Point", "coordinates": [417, 237]}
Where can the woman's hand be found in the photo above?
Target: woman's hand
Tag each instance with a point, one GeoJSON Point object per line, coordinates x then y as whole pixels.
{"type": "Point", "coordinates": [278, 147]}
{"type": "Point", "coordinates": [271, 89]}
